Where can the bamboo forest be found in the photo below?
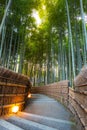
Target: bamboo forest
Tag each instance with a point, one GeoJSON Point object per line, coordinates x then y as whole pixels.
{"type": "Point", "coordinates": [44, 39]}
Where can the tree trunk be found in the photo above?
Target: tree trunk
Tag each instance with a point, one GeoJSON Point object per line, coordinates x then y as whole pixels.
{"type": "Point", "coordinates": [71, 42]}
{"type": "Point", "coordinates": [5, 14]}
{"type": "Point", "coordinates": [84, 31]}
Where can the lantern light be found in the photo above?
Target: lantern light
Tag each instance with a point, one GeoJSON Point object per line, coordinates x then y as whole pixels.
{"type": "Point", "coordinates": [15, 109]}
{"type": "Point", "coordinates": [29, 95]}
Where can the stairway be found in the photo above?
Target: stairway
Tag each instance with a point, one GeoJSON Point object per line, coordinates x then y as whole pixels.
{"type": "Point", "coordinates": [27, 121]}
{"type": "Point", "coordinates": [35, 117]}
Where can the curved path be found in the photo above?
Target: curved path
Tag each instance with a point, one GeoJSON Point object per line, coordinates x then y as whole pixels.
{"type": "Point", "coordinates": [50, 112]}
{"type": "Point", "coordinates": [41, 113]}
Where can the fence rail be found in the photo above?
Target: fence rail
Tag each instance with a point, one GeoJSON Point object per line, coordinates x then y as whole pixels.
{"type": "Point", "coordinates": [75, 99]}
{"type": "Point", "coordinates": [12, 91]}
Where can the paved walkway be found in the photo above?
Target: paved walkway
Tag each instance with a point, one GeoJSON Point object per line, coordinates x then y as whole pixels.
{"type": "Point", "coordinates": [41, 113]}
{"type": "Point", "coordinates": [50, 112]}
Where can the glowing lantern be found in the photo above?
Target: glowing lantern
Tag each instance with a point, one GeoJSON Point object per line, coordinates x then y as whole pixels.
{"type": "Point", "coordinates": [29, 95]}
{"type": "Point", "coordinates": [15, 109]}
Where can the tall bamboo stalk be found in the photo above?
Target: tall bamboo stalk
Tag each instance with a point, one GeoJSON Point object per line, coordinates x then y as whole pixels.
{"type": "Point", "coordinates": [71, 41]}
{"type": "Point", "coordinates": [84, 30]}
{"type": "Point", "coordinates": [5, 14]}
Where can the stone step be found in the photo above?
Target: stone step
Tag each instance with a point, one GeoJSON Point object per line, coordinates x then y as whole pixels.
{"type": "Point", "coordinates": [27, 124]}
{"type": "Point", "coordinates": [5, 125]}
{"type": "Point", "coordinates": [48, 121]}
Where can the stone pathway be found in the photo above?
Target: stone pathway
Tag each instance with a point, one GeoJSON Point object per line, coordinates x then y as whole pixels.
{"type": "Point", "coordinates": [41, 113]}
{"type": "Point", "coordinates": [50, 112]}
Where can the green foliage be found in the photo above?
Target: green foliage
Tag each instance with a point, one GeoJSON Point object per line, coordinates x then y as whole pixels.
{"type": "Point", "coordinates": [2, 7]}
{"type": "Point", "coordinates": [47, 44]}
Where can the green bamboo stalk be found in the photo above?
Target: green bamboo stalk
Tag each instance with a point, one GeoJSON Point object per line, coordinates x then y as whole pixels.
{"type": "Point", "coordinates": [70, 37]}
